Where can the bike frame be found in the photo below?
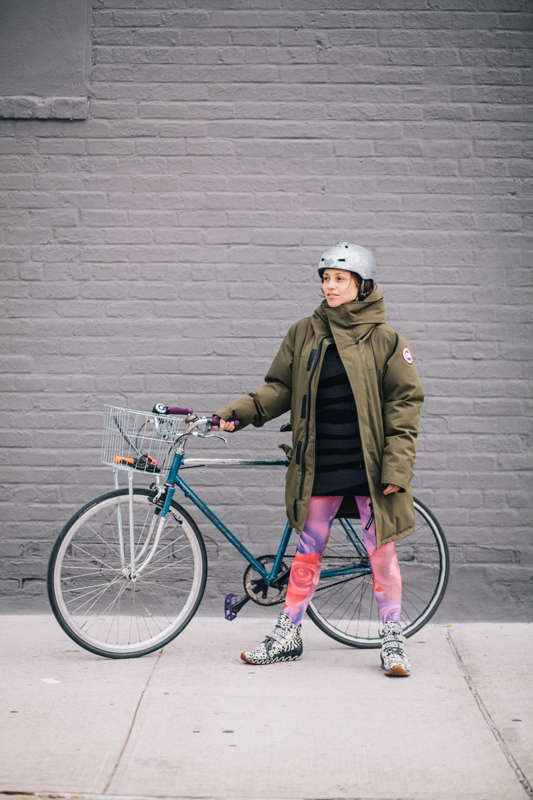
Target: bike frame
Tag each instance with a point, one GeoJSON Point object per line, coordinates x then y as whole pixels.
{"type": "Point", "coordinates": [175, 481]}
{"type": "Point", "coordinates": [182, 462]}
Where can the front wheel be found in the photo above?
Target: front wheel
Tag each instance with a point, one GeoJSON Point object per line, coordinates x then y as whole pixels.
{"type": "Point", "coordinates": [344, 606]}
{"type": "Point", "coordinates": [97, 599]}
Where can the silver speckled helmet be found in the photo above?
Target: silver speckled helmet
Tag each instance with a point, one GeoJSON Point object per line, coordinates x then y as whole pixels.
{"type": "Point", "coordinates": [352, 257]}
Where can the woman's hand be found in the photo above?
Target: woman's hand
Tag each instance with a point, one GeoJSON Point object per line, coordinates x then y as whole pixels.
{"type": "Point", "coordinates": [224, 426]}
{"type": "Point", "coordinates": [391, 488]}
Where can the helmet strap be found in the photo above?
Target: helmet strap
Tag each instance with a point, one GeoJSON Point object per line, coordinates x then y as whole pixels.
{"type": "Point", "coordinates": [364, 290]}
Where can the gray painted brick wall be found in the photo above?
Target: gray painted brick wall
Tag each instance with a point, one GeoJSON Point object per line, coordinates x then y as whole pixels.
{"type": "Point", "coordinates": [160, 249]}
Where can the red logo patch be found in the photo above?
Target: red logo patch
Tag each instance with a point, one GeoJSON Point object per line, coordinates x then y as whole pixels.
{"type": "Point", "coordinates": [407, 355]}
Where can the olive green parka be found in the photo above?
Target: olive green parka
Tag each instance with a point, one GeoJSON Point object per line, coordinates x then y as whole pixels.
{"type": "Point", "coordinates": [387, 393]}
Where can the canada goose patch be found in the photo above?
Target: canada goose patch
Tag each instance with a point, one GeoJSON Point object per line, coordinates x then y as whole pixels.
{"type": "Point", "coordinates": [407, 355]}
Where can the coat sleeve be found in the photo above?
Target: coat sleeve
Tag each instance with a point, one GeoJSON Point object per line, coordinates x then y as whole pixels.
{"type": "Point", "coordinates": [272, 399]}
{"type": "Point", "coordinates": [402, 399]}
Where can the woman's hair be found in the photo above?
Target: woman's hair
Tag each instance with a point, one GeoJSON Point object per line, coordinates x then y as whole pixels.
{"type": "Point", "coordinates": [365, 287]}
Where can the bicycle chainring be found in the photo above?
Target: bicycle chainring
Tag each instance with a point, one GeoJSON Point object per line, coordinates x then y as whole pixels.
{"type": "Point", "coordinates": [256, 588]}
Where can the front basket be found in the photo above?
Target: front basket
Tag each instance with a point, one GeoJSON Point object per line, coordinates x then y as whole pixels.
{"type": "Point", "coordinates": [139, 440]}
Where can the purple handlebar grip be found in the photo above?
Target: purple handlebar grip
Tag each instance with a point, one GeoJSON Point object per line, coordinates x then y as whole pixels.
{"type": "Point", "coordinates": [179, 410]}
{"type": "Point", "coordinates": [216, 420]}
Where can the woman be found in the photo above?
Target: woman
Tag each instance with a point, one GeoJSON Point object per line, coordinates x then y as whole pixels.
{"type": "Point", "coordinates": [355, 396]}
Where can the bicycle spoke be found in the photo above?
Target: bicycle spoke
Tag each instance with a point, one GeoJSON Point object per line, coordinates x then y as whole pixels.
{"type": "Point", "coordinates": [172, 587]}
{"type": "Point", "coordinates": [86, 574]}
{"type": "Point", "coordinates": [111, 604]}
{"type": "Point", "coordinates": [94, 599]}
{"type": "Point", "coordinates": [164, 566]}
{"type": "Point", "coordinates": [107, 609]}
{"type": "Point", "coordinates": [104, 541]}
{"type": "Point", "coordinates": [157, 600]}
{"type": "Point", "coordinates": [94, 587]}
{"type": "Point", "coordinates": [91, 556]}
{"type": "Point", "coordinates": [347, 609]}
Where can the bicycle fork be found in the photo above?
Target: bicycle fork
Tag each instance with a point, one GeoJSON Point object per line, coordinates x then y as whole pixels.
{"type": "Point", "coordinates": [131, 570]}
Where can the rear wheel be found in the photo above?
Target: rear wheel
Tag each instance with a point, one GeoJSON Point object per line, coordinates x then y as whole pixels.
{"type": "Point", "coordinates": [344, 605]}
{"type": "Point", "coordinates": [94, 596]}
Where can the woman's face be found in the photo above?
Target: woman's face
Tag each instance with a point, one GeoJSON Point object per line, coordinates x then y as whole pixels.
{"type": "Point", "coordinates": [339, 287]}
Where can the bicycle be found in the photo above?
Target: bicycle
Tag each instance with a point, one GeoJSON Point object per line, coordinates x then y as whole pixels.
{"type": "Point", "coordinates": [128, 571]}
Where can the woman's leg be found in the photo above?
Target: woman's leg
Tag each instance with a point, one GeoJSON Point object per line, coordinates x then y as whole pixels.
{"type": "Point", "coordinates": [285, 641]}
{"type": "Point", "coordinates": [385, 567]}
{"type": "Point", "coordinates": [305, 570]}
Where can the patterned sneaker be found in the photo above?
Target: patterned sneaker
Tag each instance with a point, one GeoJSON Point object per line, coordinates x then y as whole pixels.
{"type": "Point", "coordinates": [283, 644]}
{"type": "Point", "coordinates": [393, 657]}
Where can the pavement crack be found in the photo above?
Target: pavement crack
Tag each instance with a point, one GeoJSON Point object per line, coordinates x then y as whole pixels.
{"type": "Point", "coordinates": [130, 730]}
{"type": "Point", "coordinates": [528, 788]}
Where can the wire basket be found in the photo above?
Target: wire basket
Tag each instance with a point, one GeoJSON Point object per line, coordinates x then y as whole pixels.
{"type": "Point", "coordinates": [139, 440]}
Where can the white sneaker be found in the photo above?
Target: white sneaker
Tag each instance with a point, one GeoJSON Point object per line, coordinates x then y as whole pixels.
{"type": "Point", "coordinates": [393, 656]}
{"type": "Point", "coordinates": [283, 644]}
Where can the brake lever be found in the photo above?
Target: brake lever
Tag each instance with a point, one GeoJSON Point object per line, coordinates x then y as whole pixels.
{"type": "Point", "coordinates": [207, 433]}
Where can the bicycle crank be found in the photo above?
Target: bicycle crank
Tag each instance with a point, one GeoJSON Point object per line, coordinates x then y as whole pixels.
{"type": "Point", "coordinates": [258, 590]}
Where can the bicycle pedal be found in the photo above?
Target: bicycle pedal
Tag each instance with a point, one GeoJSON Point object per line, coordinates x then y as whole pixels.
{"type": "Point", "coordinates": [230, 601]}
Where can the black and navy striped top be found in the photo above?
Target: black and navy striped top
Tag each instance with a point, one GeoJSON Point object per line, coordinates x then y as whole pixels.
{"type": "Point", "coordinates": [339, 463]}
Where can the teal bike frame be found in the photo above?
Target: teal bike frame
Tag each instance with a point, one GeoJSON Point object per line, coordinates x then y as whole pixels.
{"type": "Point", "coordinates": [360, 567]}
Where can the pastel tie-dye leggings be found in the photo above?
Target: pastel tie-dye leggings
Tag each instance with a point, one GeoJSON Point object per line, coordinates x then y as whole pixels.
{"type": "Point", "coordinates": [305, 570]}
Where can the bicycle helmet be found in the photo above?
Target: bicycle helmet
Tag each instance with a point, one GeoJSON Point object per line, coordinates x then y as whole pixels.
{"type": "Point", "coordinates": [352, 257]}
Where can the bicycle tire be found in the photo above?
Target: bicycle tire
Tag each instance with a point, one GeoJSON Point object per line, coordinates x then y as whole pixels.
{"type": "Point", "coordinates": [344, 607]}
{"type": "Point", "coordinates": [114, 616]}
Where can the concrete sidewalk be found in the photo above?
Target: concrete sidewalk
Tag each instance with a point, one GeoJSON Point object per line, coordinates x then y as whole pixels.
{"type": "Point", "coordinates": [194, 721]}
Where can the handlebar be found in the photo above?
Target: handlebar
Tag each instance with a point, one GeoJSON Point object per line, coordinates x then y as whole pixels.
{"type": "Point", "coordinates": [163, 410]}
{"type": "Point", "coordinates": [215, 421]}
{"type": "Point", "coordinates": [180, 411]}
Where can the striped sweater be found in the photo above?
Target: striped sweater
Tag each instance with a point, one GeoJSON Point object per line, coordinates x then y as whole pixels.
{"type": "Point", "coordinates": [339, 464]}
